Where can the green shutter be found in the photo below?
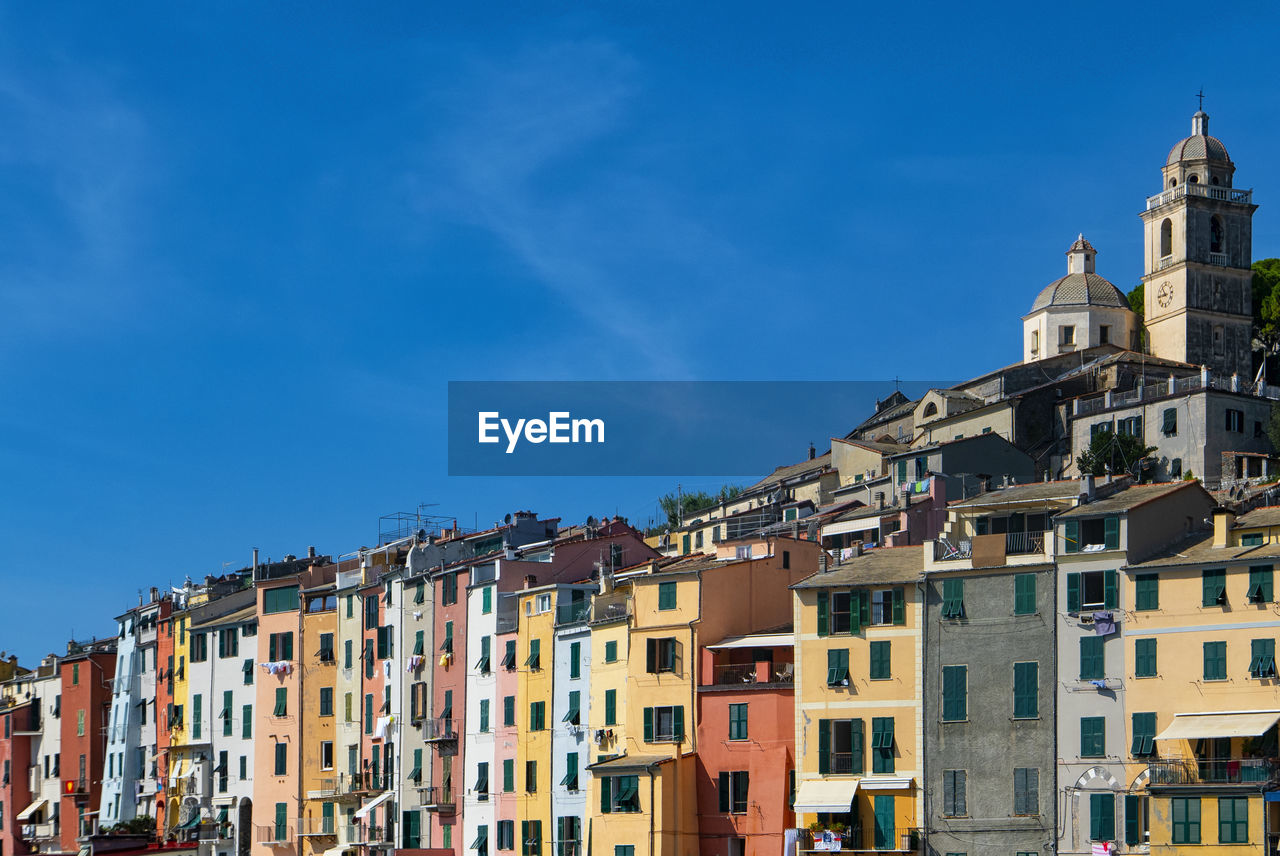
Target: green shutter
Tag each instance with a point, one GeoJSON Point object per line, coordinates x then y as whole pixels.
{"type": "Point", "coordinates": [1214, 587]}
{"type": "Point", "coordinates": [610, 707]}
{"type": "Point", "coordinates": [1071, 536]}
{"type": "Point", "coordinates": [899, 606]}
{"type": "Point", "coordinates": [1144, 658]}
{"type": "Point", "coordinates": [1147, 592]}
{"type": "Point", "coordinates": [823, 613]}
{"type": "Point", "coordinates": [677, 719]}
{"type": "Point", "coordinates": [1111, 539]}
{"type": "Point", "coordinates": [1092, 660]}
{"type": "Point", "coordinates": [1073, 592]}
{"type": "Point", "coordinates": [863, 600]}
{"type": "Point", "coordinates": [1024, 594]}
{"type": "Point", "coordinates": [1110, 590]}
{"type": "Point", "coordinates": [1144, 734]}
{"type": "Point", "coordinates": [1102, 816]}
{"type": "Point", "coordinates": [1132, 819]}
{"type": "Point", "coordinates": [648, 725]}
{"type": "Point", "coordinates": [1026, 679]}
{"type": "Point", "coordinates": [954, 693]}
{"type": "Point", "coordinates": [859, 743]}
{"type": "Point", "coordinates": [824, 746]}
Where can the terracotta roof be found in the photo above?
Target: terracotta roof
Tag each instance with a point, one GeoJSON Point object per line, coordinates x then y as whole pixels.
{"type": "Point", "coordinates": [883, 448]}
{"type": "Point", "coordinates": [1268, 515]}
{"type": "Point", "coordinates": [1066, 489]}
{"type": "Point", "coordinates": [1127, 499]}
{"type": "Point", "coordinates": [1198, 549]}
{"type": "Point", "coordinates": [791, 471]}
{"type": "Point", "coordinates": [629, 762]}
{"type": "Point", "coordinates": [1080, 289]}
{"type": "Point", "coordinates": [883, 565]}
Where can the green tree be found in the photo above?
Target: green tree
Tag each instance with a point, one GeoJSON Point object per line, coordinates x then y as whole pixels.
{"type": "Point", "coordinates": [1266, 307]}
{"type": "Point", "coordinates": [1120, 453]}
{"type": "Point", "coordinates": [1137, 302]}
{"type": "Point", "coordinates": [1273, 427]}
{"type": "Point", "coordinates": [143, 824]}
{"type": "Point", "coordinates": [691, 503]}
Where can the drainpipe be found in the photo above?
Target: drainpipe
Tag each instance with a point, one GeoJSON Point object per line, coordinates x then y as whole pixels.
{"type": "Point", "coordinates": [652, 809]}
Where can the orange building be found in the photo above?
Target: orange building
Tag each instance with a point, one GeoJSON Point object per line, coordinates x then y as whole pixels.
{"type": "Point", "coordinates": [87, 673]}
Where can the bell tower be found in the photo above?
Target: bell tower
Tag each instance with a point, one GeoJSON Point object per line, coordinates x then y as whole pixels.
{"type": "Point", "coordinates": [1197, 251]}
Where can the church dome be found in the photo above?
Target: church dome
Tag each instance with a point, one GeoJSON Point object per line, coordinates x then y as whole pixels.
{"type": "Point", "coordinates": [1198, 146]}
{"type": "Point", "coordinates": [1080, 289]}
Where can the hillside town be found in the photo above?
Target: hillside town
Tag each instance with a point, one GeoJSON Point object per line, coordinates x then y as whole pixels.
{"type": "Point", "coordinates": [1030, 613]}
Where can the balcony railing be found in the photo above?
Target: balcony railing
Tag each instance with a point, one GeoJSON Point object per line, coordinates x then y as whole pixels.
{"type": "Point", "coordinates": [341, 785]}
{"type": "Point", "coordinates": [317, 826]}
{"type": "Point", "coordinates": [37, 831]}
{"type": "Point", "coordinates": [1219, 771]}
{"type": "Point", "coordinates": [271, 834]}
{"type": "Point", "coordinates": [863, 840]}
{"type": "Point", "coordinates": [572, 612]}
{"type": "Point", "coordinates": [439, 729]}
{"type": "Point", "coordinates": [1208, 191]}
{"type": "Point", "coordinates": [1219, 259]}
{"type": "Point", "coordinates": [947, 550]}
{"type": "Point", "coordinates": [1016, 543]}
{"type": "Point", "coordinates": [437, 798]}
{"type": "Point", "coordinates": [750, 673]}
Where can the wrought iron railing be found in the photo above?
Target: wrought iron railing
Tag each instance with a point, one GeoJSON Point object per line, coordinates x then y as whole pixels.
{"type": "Point", "coordinates": [1217, 771]}
{"type": "Point", "coordinates": [440, 728]}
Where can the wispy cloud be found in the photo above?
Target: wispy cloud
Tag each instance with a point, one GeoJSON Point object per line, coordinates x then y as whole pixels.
{"type": "Point", "coordinates": [542, 150]}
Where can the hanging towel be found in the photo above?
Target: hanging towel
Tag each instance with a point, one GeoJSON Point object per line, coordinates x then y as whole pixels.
{"type": "Point", "coordinates": [1104, 623]}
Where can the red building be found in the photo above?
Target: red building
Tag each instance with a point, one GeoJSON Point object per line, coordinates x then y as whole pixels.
{"type": "Point", "coordinates": [163, 701]}
{"type": "Point", "coordinates": [746, 744]}
{"type": "Point", "coordinates": [87, 673]}
{"type": "Point", "coordinates": [16, 724]}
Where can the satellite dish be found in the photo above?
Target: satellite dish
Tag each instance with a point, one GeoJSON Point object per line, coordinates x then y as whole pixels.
{"type": "Point", "coordinates": [507, 519]}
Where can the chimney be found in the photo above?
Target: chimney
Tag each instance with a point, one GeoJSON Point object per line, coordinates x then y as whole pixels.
{"type": "Point", "coordinates": [255, 559]}
{"type": "Point", "coordinates": [1223, 520]}
{"type": "Point", "coordinates": [530, 581]}
{"type": "Point", "coordinates": [813, 452]}
{"type": "Point", "coordinates": [823, 561]}
{"type": "Point", "coordinates": [906, 497]}
{"type": "Point", "coordinates": [606, 581]}
{"type": "Point", "coordinates": [311, 552]}
{"type": "Point", "coordinates": [155, 594]}
{"type": "Point", "coordinates": [1086, 489]}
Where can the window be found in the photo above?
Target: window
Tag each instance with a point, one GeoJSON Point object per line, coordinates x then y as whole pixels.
{"type": "Point", "coordinates": [508, 775]}
{"type": "Point", "coordinates": [880, 668]}
{"type": "Point", "coordinates": [229, 642]}
{"type": "Point", "coordinates": [570, 780]}
{"type": "Point", "coordinates": [1260, 580]}
{"type": "Point", "coordinates": [611, 651]}
{"type": "Point", "coordinates": [484, 715]}
{"type": "Point", "coordinates": [882, 744]}
{"type": "Point", "coordinates": [368, 713]}
{"type": "Point", "coordinates": [346, 654]}
{"type": "Point", "coordinates": [1169, 422]}
{"type": "Point", "coordinates": [531, 777]}
{"type": "Point", "coordinates": [509, 656]}
{"type": "Point", "coordinates": [568, 835]}
{"type": "Point", "coordinates": [1175, 468]}
{"type": "Point", "coordinates": [326, 754]}
{"type": "Point", "coordinates": [1093, 658]}
{"type": "Point", "coordinates": [482, 780]}
{"type": "Point", "coordinates": [509, 710]}
{"type": "Point", "coordinates": [80, 720]}
{"type": "Point", "coordinates": [534, 660]}
{"type": "Point", "coordinates": [953, 598]}
{"type": "Point", "coordinates": [1233, 820]}
{"type": "Point", "coordinates": [1035, 342]}
{"type": "Point", "coordinates": [326, 701]}
{"type": "Point", "coordinates": [282, 599]}
{"type": "Point", "coordinates": [282, 821]}
{"type": "Point", "coordinates": [1131, 426]}
{"type": "Point", "coordinates": [619, 794]}
{"type": "Point", "coordinates": [840, 746]}
{"type": "Point", "coordinates": [1251, 539]}
{"type": "Point", "coordinates": [280, 647]}
{"type": "Point", "coordinates": [575, 660]}
{"type": "Point", "coordinates": [246, 722]}
{"type": "Point", "coordinates": [1166, 238]}
{"type": "Point", "coordinates": [282, 759]}
{"type": "Point", "coordinates": [1093, 589]}
{"type": "Point", "coordinates": [888, 606]}
{"type": "Point", "coordinates": [954, 785]}
{"type": "Point", "coordinates": [1144, 651]}
{"type": "Point", "coordinates": [1213, 584]}
{"type": "Point", "coordinates": [1135, 819]}
{"type": "Point", "coordinates": [1215, 661]}
{"type": "Point", "coordinates": [1024, 594]}
{"type": "Point", "coordinates": [199, 645]}
{"type": "Point", "coordinates": [738, 721]}
{"type": "Point", "coordinates": [506, 835]}
{"type": "Point", "coordinates": [282, 702]}
{"type": "Point", "coordinates": [1235, 418]}
{"type": "Point", "coordinates": [664, 724]}
{"type": "Point", "coordinates": [1144, 735]}
{"type": "Point", "coordinates": [1262, 658]}
{"type": "Point", "coordinates": [667, 595]}
{"type": "Point", "coordinates": [448, 589]}
{"type": "Point", "coordinates": [1186, 819]}
{"type": "Point", "coordinates": [733, 792]}
{"type": "Point", "coordinates": [838, 667]}
{"type": "Point", "coordinates": [1067, 335]}
{"type": "Point", "coordinates": [530, 837]}
{"type": "Point", "coordinates": [662, 655]}
{"type": "Point", "coordinates": [1102, 816]}
{"type": "Point", "coordinates": [1026, 791]}
{"type": "Point", "coordinates": [1026, 690]}
{"type": "Point", "coordinates": [841, 612]}
{"type": "Point", "coordinates": [610, 707]}
{"type": "Point", "coordinates": [1146, 592]}
{"type": "Point", "coordinates": [955, 690]}
{"type": "Point", "coordinates": [197, 715]}
{"type": "Point", "coordinates": [544, 603]}
{"type": "Point", "coordinates": [573, 715]}
{"type": "Point", "coordinates": [1104, 334]}
{"type": "Point", "coordinates": [1093, 736]}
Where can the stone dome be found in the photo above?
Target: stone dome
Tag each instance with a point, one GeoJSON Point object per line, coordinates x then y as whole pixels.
{"type": "Point", "coordinates": [1080, 289]}
{"type": "Point", "coordinates": [1199, 145]}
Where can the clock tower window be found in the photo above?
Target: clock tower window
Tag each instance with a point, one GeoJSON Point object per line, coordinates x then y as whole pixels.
{"type": "Point", "coordinates": [1166, 238]}
{"type": "Point", "coordinates": [1215, 235]}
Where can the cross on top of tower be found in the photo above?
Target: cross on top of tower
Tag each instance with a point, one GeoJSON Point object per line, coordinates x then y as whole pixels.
{"type": "Point", "coordinates": [1200, 95]}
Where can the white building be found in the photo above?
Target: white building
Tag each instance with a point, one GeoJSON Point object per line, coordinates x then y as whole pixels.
{"type": "Point", "coordinates": [39, 820]}
{"type": "Point", "coordinates": [1081, 310]}
{"type": "Point", "coordinates": [570, 711]}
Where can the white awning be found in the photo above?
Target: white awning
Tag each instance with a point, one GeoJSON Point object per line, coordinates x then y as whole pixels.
{"type": "Point", "coordinates": [370, 806]}
{"type": "Point", "coordinates": [760, 640]}
{"type": "Point", "coordinates": [32, 809]}
{"type": "Point", "coordinates": [858, 524]}
{"type": "Point", "coordinates": [1189, 726]}
{"type": "Point", "coordinates": [339, 850]}
{"type": "Point", "coordinates": [884, 784]}
{"type": "Point", "coordinates": [833, 795]}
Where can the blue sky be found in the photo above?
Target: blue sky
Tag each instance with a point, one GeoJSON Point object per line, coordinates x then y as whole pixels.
{"type": "Point", "coordinates": [246, 245]}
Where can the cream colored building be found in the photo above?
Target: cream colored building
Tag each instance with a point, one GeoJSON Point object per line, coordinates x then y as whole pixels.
{"type": "Point", "coordinates": [1081, 310]}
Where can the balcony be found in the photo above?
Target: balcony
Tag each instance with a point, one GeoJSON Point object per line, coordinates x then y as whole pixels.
{"type": "Point", "coordinates": [1219, 259]}
{"type": "Point", "coordinates": [273, 835]}
{"type": "Point", "coordinates": [572, 612]}
{"type": "Point", "coordinates": [440, 799]}
{"type": "Point", "coordinates": [343, 785]}
{"type": "Point", "coordinates": [1022, 543]}
{"type": "Point", "coordinates": [76, 787]}
{"type": "Point", "coordinates": [1206, 191]}
{"type": "Point", "coordinates": [1217, 771]}
{"type": "Point", "coordinates": [39, 831]}
{"type": "Point", "coordinates": [991, 550]}
{"type": "Point", "coordinates": [761, 674]}
{"type": "Point", "coordinates": [312, 826]}
{"type": "Point", "coordinates": [863, 841]}
{"type": "Point", "coordinates": [435, 730]}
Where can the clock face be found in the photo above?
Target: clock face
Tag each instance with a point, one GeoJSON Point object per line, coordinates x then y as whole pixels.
{"type": "Point", "coordinates": [1165, 295]}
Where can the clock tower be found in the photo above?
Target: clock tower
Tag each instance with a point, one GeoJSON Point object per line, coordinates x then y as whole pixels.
{"type": "Point", "coordinates": [1197, 252]}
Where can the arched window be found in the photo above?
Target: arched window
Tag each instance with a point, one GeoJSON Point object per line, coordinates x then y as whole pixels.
{"type": "Point", "coordinates": [1216, 242]}
{"type": "Point", "coordinates": [1035, 341]}
{"type": "Point", "coordinates": [1173, 182]}
{"type": "Point", "coordinates": [1193, 178]}
{"type": "Point", "coordinates": [930, 409]}
{"type": "Point", "coordinates": [1213, 180]}
{"type": "Point", "coordinates": [1166, 238]}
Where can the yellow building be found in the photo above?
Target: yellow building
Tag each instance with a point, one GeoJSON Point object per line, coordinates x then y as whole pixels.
{"type": "Point", "coordinates": [1201, 686]}
{"type": "Point", "coordinates": [535, 656]}
{"type": "Point", "coordinates": [858, 645]}
{"type": "Point", "coordinates": [318, 826]}
{"type": "Point", "coordinates": [648, 627]}
{"type": "Point", "coordinates": [181, 757]}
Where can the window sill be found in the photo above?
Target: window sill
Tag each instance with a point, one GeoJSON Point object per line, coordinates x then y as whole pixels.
{"type": "Point", "coordinates": [952, 721]}
{"type": "Point", "coordinates": [1024, 719]}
